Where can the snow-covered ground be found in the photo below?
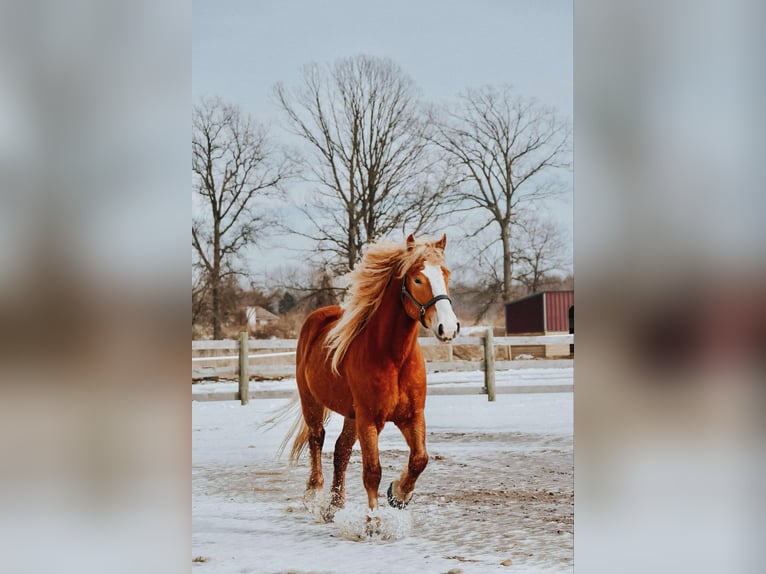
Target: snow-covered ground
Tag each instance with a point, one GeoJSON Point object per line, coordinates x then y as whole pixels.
{"type": "Point", "coordinates": [497, 495]}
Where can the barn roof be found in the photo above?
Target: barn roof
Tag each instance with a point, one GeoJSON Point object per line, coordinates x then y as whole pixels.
{"type": "Point", "coordinates": [538, 294]}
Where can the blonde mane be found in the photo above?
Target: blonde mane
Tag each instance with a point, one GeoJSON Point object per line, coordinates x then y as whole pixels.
{"type": "Point", "coordinates": [382, 261]}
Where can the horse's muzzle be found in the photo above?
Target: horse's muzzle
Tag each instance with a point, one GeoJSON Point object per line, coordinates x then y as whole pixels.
{"type": "Point", "coordinates": [445, 337]}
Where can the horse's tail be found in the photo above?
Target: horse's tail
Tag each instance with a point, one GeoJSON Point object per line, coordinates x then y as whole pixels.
{"type": "Point", "coordinates": [292, 407]}
{"type": "Point", "coordinates": [283, 412]}
{"type": "Point", "coordinates": [300, 430]}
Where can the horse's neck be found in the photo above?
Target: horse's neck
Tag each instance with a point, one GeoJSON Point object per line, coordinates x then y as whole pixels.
{"type": "Point", "coordinates": [392, 330]}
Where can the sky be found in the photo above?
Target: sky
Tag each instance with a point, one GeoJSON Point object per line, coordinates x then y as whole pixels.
{"type": "Point", "coordinates": [241, 49]}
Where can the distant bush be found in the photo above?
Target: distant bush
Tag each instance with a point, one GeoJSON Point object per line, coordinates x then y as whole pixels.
{"type": "Point", "coordinates": [287, 327]}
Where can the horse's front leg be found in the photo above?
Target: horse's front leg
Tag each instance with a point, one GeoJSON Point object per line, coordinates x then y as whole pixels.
{"type": "Point", "coordinates": [414, 432]}
{"type": "Point", "coordinates": [343, 447]}
{"type": "Point", "coordinates": [368, 433]}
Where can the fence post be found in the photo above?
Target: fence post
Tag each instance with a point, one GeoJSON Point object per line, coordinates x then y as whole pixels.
{"type": "Point", "coordinates": [449, 352]}
{"type": "Point", "coordinates": [244, 375]}
{"type": "Point", "coordinates": [489, 364]}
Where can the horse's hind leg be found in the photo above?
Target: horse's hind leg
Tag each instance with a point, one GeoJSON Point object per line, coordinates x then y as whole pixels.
{"type": "Point", "coordinates": [343, 447]}
{"type": "Point", "coordinates": [313, 415]}
{"type": "Point", "coordinates": [414, 432]}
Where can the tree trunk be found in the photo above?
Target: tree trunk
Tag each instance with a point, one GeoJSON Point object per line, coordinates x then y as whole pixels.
{"type": "Point", "coordinates": [507, 264]}
{"type": "Point", "coordinates": [351, 240]}
{"type": "Point", "coordinates": [215, 281]}
{"type": "Point", "coordinates": [535, 280]}
{"type": "Point", "coordinates": [216, 311]}
{"type": "Point", "coordinates": [537, 274]}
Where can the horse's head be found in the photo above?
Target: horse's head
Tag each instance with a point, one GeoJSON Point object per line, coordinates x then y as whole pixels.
{"type": "Point", "coordinates": [425, 293]}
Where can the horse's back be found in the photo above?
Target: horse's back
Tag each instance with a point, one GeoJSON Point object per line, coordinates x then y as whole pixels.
{"type": "Point", "coordinates": [316, 326]}
{"type": "Point", "coordinates": [314, 332]}
{"type": "Point", "coordinates": [312, 364]}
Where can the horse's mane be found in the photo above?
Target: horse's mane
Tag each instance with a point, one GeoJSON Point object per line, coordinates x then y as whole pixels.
{"type": "Point", "coordinates": [368, 281]}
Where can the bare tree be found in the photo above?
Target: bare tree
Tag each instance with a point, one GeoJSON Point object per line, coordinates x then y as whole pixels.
{"type": "Point", "coordinates": [505, 149]}
{"type": "Point", "coordinates": [236, 171]}
{"type": "Point", "coordinates": [312, 284]}
{"type": "Point", "coordinates": [479, 287]}
{"type": "Point", "coordinates": [539, 250]}
{"type": "Point", "coordinates": [200, 295]}
{"type": "Point", "coordinates": [369, 156]}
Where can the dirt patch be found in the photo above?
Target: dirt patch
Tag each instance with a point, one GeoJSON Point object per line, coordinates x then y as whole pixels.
{"type": "Point", "coordinates": [509, 494]}
{"type": "Point", "coordinates": [516, 495]}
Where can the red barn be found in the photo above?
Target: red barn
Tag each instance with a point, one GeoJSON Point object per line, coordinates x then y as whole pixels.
{"type": "Point", "coordinates": [539, 313]}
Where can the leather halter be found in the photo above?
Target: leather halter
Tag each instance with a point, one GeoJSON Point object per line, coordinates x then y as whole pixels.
{"type": "Point", "coordinates": [422, 306]}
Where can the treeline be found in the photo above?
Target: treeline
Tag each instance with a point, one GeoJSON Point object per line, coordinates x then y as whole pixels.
{"type": "Point", "coordinates": [374, 161]}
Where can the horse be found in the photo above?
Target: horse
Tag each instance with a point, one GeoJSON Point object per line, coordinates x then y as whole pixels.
{"type": "Point", "coordinates": [362, 360]}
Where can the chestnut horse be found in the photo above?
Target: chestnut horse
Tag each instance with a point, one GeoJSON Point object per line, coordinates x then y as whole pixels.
{"type": "Point", "coordinates": [362, 360]}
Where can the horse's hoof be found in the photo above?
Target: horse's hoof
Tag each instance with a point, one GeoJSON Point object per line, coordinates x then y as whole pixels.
{"type": "Point", "coordinates": [372, 526]}
{"type": "Point", "coordinates": [328, 514]}
{"type": "Point", "coordinates": [395, 502]}
{"type": "Point", "coordinates": [310, 498]}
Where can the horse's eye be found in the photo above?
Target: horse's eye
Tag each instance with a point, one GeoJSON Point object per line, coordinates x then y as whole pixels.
{"type": "Point", "coordinates": [418, 281]}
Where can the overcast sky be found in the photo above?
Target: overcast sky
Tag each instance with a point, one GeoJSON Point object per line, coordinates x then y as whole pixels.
{"type": "Point", "coordinates": [240, 49]}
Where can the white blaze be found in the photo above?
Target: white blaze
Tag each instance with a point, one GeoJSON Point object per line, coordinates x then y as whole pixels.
{"type": "Point", "coordinates": [445, 316]}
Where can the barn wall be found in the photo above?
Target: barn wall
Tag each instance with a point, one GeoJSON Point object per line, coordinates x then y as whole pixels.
{"type": "Point", "coordinates": [557, 304]}
{"type": "Point", "coordinates": [525, 315]}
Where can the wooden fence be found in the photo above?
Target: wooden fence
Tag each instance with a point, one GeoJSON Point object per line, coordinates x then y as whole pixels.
{"type": "Point", "coordinates": [235, 358]}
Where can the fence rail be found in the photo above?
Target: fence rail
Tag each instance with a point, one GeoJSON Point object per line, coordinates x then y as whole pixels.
{"type": "Point", "coordinates": [239, 365]}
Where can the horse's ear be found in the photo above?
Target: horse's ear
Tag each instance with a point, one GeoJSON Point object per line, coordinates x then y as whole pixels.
{"type": "Point", "coordinates": [442, 243]}
{"type": "Point", "coordinates": [410, 241]}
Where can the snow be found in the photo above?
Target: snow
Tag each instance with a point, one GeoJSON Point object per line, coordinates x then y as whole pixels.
{"type": "Point", "coordinates": [498, 487]}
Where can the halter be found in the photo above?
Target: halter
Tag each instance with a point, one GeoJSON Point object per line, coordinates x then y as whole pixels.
{"type": "Point", "coordinates": [422, 306]}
